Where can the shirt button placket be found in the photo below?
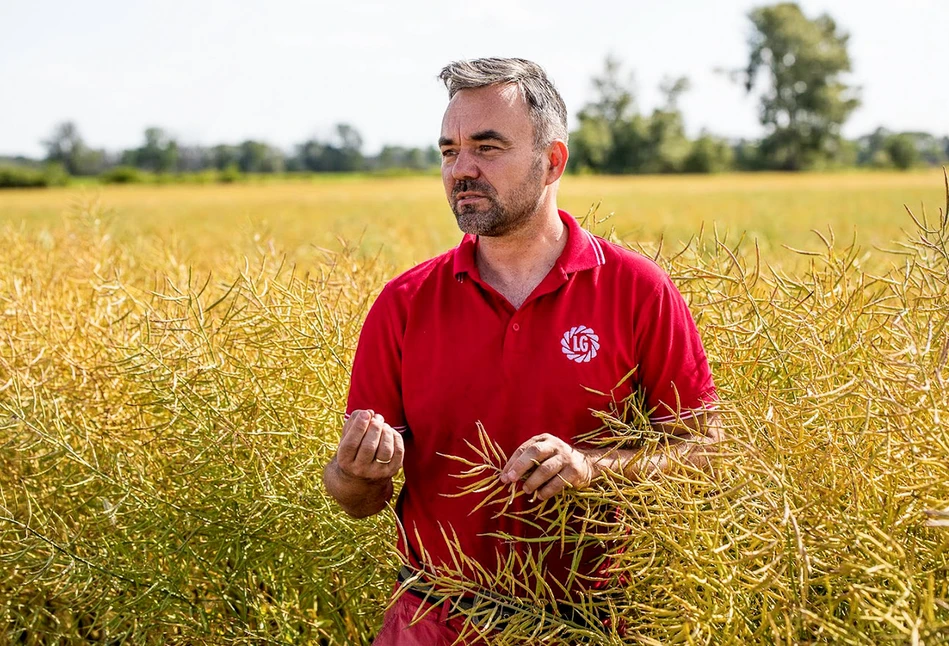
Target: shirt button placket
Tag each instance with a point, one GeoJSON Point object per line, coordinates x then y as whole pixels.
{"type": "Point", "coordinates": [511, 349]}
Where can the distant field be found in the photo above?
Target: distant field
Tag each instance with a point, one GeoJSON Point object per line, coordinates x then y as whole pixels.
{"type": "Point", "coordinates": [408, 218]}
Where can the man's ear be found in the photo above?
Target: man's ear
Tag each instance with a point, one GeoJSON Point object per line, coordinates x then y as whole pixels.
{"type": "Point", "coordinates": [557, 155]}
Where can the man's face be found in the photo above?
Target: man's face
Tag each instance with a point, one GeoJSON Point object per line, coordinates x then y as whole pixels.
{"type": "Point", "coordinates": [493, 176]}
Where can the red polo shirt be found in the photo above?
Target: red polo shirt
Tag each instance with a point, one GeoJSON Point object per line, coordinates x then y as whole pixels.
{"type": "Point", "coordinates": [441, 350]}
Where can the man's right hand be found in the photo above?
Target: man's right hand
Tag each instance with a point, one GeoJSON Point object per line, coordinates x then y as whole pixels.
{"type": "Point", "coordinates": [370, 450]}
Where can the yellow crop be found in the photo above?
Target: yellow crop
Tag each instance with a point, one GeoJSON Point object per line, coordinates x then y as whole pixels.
{"type": "Point", "coordinates": [173, 370]}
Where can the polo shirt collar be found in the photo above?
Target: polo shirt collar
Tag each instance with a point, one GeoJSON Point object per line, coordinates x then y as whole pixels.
{"type": "Point", "coordinates": [582, 251]}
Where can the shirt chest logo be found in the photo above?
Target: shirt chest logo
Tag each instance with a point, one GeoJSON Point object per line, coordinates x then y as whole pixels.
{"type": "Point", "coordinates": [580, 343]}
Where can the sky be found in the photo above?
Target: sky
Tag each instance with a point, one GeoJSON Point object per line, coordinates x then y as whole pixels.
{"type": "Point", "coordinates": [215, 71]}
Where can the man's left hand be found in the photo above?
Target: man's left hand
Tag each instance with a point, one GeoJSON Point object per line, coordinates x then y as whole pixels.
{"type": "Point", "coordinates": [550, 465]}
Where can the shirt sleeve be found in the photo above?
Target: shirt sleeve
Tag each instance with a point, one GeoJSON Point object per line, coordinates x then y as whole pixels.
{"type": "Point", "coordinates": [376, 380]}
{"type": "Point", "coordinates": [673, 371]}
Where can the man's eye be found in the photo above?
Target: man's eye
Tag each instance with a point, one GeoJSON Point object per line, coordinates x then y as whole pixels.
{"type": "Point", "coordinates": [487, 149]}
{"type": "Point", "coordinates": [448, 153]}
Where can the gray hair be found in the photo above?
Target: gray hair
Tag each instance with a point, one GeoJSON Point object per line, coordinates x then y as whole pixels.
{"type": "Point", "coordinates": [547, 111]}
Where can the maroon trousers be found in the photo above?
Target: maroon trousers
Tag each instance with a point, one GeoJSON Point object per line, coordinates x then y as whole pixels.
{"type": "Point", "coordinates": [435, 625]}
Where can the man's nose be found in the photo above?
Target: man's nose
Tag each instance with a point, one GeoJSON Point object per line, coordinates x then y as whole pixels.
{"type": "Point", "coordinates": [465, 166]}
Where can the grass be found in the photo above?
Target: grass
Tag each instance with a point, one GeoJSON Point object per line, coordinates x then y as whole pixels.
{"type": "Point", "coordinates": [174, 362]}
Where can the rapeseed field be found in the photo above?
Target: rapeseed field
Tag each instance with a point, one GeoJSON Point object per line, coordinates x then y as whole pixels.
{"type": "Point", "coordinates": [173, 371]}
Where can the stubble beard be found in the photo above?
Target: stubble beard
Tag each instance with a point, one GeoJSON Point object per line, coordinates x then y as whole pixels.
{"type": "Point", "coordinates": [497, 218]}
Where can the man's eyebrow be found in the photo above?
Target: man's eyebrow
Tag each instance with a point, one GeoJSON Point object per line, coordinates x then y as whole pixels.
{"type": "Point", "coordinates": [481, 135]}
{"type": "Point", "coordinates": [490, 135]}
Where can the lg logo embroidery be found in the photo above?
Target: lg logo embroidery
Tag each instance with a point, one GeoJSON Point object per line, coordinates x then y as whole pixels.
{"type": "Point", "coordinates": [580, 343]}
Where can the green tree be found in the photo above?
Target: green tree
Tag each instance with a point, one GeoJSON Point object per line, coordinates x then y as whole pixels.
{"type": "Point", "coordinates": [902, 151]}
{"type": "Point", "coordinates": [433, 156]}
{"type": "Point", "coordinates": [346, 154]}
{"type": "Point", "coordinates": [343, 154]}
{"type": "Point", "coordinates": [66, 147]}
{"type": "Point", "coordinates": [613, 137]}
{"type": "Point", "coordinates": [870, 148]}
{"type": "Point", "coordinates": [615, 94]}
{"type": "Point", "coordinates": [709, 155]}
{"type": "Point", "coordinates": [159, 153]}
{"type": "Point", "coordinates": [885, 149]}
{"type": "Point", "coordinates": [64, 144]}
{"type": "Point", "coordinates": [389, 157]}
{"type": "Point", "coordinates": [193, 158]}
{"type": "Point", "coordinates": [400, 157]}
{"type": "Point", "coordinates": [258, 157]}
{"type": "Point", "coordinates": [611, 134]}
{"type": "Point", "coordinates": [929, 148]}
{"type": "Point", "coordinates": [310, 156]}
{"type": "Point", "coordinates": [804, 102]}
{"type": "Point", "coordinates": [747, 156]}
{"type": "Point", "coordinates": [666, 144]}
{"type": "Point", "coordinates": [224, 156]}
{"type": "Point", "coordinates": [592, 143]}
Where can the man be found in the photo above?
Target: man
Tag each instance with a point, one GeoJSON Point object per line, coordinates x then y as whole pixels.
{"type": "Point", "coordinates": [527, 326]}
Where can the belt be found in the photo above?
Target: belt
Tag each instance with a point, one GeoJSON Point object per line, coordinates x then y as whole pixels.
{"type": "Point", "coordinates": [425, 592]}
{"type": "Point", "coordinates": [491, 612]}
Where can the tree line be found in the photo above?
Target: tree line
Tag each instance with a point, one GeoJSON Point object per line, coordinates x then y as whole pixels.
{"type": "Point", "coordinates": [796, 67]}
{"type": "Point", "coordinates": [160, 154]}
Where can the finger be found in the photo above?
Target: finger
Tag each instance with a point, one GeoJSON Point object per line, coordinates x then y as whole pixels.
{"type": "Point", "coordinates": [386, 447]}
{"type": "Point", "coordinates": [553, 487]}
{"type": "Point", "coordinates": [370, 442]}
{"type": "Point", "coordinates": [541, 475]}
{"type": "Point", "coordinates": [394, 463]}
{"type": "Point", "coordinates": [398, 452]}
{"type": "Point", "coordinates": [356, 424]}
{"type": "Point", "coordinates": [353, 431]}
{"type": "Point", "coordinates": [532, 455]}
{"type": "Point", "coordinates": [543, 438]}
{"type": "Point", "coordinates": [516, 456]}
{"type": "Point", "coordinates": [391, 468]}
{"type": "Point", "coordinates": [524, 465]}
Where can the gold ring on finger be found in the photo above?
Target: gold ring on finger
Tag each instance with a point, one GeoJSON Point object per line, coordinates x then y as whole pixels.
{"type": "Point", "coordinates": [383, 461]}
